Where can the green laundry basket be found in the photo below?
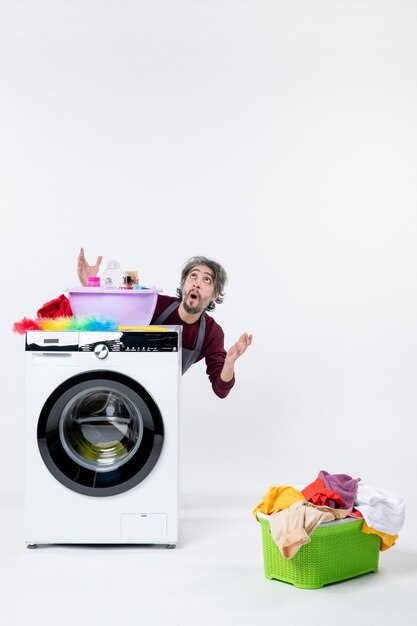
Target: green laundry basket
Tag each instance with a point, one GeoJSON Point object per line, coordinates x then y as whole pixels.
{"type": "Point", "coordinates": [336, 552]}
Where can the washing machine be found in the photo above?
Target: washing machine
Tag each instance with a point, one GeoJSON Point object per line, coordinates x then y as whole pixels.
{"type": "Point", "coordinates": [101, 436]}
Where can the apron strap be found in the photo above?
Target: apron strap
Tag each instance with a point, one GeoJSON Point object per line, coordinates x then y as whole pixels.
{"type": "Point", "coordinates": [188, 356]}
{"type": "Point", "coordinates": [201, 333]}
{"type": "Point", "coordinates": [161, 319]}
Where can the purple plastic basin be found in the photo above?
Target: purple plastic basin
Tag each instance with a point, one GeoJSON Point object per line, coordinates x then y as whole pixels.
{"type": "Point", "coordinates": [128, 307]}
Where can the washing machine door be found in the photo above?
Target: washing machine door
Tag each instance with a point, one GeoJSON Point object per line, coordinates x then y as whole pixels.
{"type": "Point", "coordinates": [100, 433]}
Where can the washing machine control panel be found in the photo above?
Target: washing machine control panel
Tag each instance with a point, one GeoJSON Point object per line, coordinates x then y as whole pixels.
{"type": "Point", "coordinates": [102, 343]}
{"type": "Point", "coordinates": [129, 341]}
{"type": "Point", "coordinates": [164, 341]}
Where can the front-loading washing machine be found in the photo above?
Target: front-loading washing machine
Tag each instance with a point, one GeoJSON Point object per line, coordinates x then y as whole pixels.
{"type": "Point", "coordinates": [101, 436]}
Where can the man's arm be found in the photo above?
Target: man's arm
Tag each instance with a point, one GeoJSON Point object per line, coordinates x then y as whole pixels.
{"type": "Point", "coordinates": [84, 270]}
{"type": "Point", "coordinates": [232, 355]}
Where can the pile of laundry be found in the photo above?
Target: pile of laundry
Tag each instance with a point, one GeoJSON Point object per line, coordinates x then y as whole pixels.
{"type": "Point", "coordinates": [295, 513]}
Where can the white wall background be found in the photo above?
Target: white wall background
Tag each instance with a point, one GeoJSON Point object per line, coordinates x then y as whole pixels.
{"type": "Point", "coordinates": [279, 137]}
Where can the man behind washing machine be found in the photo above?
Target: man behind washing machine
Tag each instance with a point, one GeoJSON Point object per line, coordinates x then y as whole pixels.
{"type": "Point", "coordinates": [201, 288]}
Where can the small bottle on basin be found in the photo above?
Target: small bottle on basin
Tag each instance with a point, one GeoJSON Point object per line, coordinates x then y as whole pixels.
{"type": "Point", "coordinates": [93, 281]}
{"type": "Point", "coordinates": [112, 277]}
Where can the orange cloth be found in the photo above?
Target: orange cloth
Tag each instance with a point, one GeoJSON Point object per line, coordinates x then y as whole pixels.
{"type": "Point", "coordinates": [318, 494]}
{"type": "Point", "coordinates": [278, 498]}
{"type": "Point", "coordinates": [387, 541]}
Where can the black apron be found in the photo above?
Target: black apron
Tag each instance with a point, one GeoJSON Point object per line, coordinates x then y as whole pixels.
{"type": "Point", "coordinates": [188, 356]}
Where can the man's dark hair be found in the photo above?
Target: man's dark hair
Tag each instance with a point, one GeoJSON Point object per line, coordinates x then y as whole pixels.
{"type": "Point", "coordinates": [220, 278]}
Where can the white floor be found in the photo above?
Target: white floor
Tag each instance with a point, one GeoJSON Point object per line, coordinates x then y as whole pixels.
{"type": "Point", "coordinates": [214, 576]}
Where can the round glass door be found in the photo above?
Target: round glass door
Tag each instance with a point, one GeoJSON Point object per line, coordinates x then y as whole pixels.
{"type": "Point", "coordinates": [100, 428]}
{"type": "Point", "coordinates": [100, 433]}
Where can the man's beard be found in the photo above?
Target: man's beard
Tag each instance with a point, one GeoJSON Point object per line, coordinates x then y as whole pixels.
{"type": "Point", "coordinates": [198, 308]}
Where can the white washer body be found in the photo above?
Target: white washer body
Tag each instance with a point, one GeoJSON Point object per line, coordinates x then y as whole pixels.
{"type": "Point", "coordinates": [145, 513]}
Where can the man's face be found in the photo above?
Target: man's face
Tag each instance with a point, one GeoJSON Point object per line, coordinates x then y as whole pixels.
{"type": "Point", "coordinates": [198, 289]}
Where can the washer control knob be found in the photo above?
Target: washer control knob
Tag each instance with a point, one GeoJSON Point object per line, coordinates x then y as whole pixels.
{"type": "Point", "coordinates": [101, 351]}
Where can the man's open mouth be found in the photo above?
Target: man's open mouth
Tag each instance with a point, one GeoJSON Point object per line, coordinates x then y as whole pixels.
{"type": "Point", "coordinates": [193, 295]}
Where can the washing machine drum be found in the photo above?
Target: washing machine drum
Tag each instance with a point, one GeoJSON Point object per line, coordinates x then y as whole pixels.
{"type": "Point", "coordinates": [100, 433]}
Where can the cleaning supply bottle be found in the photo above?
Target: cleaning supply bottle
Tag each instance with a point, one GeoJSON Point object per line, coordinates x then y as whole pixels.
{"type": "Point", "coordinates": [112, 277]}
{"type": "Point", "coordinates": [127, 282]}
{"type": "Point", "coordinates": [93, 281]}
